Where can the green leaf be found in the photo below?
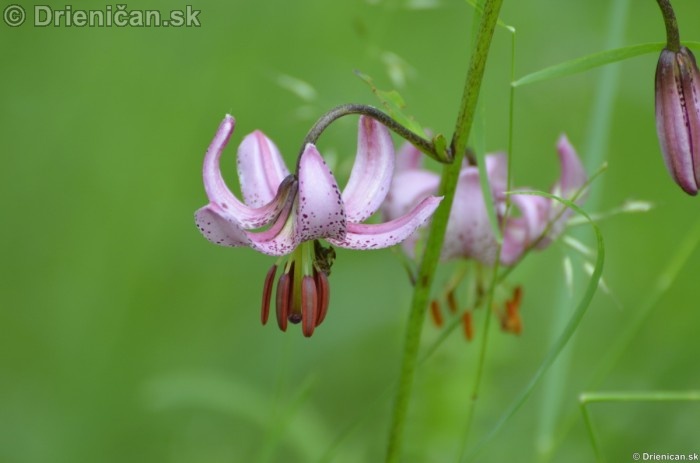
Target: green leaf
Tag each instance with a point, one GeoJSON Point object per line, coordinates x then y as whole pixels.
{"type": "Point", "coordinates": [595, 60]}
{"type": "Point", "coordinates": [569, 330]}
{"type": "Point", "coordinates": [394, 104]}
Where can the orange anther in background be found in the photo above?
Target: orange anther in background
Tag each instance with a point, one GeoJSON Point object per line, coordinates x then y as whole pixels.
{"type": "Point", "coordinates": [436, 313]}
{"type": "Point", "coordinates": [468, 325]}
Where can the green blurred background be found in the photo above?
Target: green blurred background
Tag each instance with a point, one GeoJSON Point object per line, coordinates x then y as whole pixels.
{"type": "Point", "coordinates": [125, 336]}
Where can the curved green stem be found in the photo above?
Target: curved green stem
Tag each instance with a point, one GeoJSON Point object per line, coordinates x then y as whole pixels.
{"type": "Point", "coordinates": [673, 39]}
{"type": "Point", "coordinates": [426, 146]}
{"type": "Point", "coordinates": [448, 184]}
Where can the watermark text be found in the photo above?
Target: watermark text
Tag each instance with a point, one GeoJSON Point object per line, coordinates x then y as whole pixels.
{"type": "Point", "coordinates": [108, 16]}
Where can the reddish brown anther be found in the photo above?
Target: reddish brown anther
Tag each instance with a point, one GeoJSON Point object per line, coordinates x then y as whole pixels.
{"type": "Point", "coordinates": [303, 292]}
{"type": "Point", "coordinates": [267, 294]}
{"type": "Point", "coordinates": [284, 291]}
{"type": "Point", "coordinates": [323, 294]}
{"type": "Point", "coordinates": [436, 313]}
{"type": "Point", "coordinates": [309, 305]}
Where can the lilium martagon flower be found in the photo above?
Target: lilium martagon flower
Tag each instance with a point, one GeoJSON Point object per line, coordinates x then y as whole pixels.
{"type": "Point", "coordinates": [537, 222]}
{"type": "Point", "coordinates": [678, 116]}
{"type": "Point", "coordinates": [285, 214]}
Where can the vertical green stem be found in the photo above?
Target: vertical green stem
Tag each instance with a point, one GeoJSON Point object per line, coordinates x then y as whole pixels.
{"type": "Point", "coordinates": [450, 174]}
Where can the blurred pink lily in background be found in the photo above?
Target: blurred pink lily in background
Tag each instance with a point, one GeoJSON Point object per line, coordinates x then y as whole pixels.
{"type": "Point", "coordinates": [469, 234]}
{"type": "Point", "coordinates": [285, 213]}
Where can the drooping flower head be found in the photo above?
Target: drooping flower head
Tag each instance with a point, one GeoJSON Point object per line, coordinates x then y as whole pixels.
{"type": "Point", "coordinates": [283, 213]}
{"type": "Point", "coordinates": [469, 234]}
{"type": "Point", "coordinates": [678, 116]}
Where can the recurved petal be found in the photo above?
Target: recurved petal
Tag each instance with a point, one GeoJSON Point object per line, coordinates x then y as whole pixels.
{"type": "Point", "coordinates": [522, 231]}
{"type": "Point", "coordinates": [671, 123]}
{"type": "Point", "coordinates": [573, 178]}
{"type": "Point", "coordinates": [573, 175]}
{"type": "Point", "coordinates": [371, 174]}
{"type": "Point", "coordinates": [407, 188]}
{"type": "Point", "coordinates": [377, 236]}
{"type": "Point", "coordinates": [221, 226]}
{"type": "Point", "coordinates": [320, 212]}
{"type": "Point", "coordinates": [280, 239]}
{"type": "Point", "coordinates": [220, 195]}
{"type": "Point", "coordinates": [261, 169]}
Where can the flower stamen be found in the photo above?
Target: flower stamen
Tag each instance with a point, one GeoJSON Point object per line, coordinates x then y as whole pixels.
{"type": "Point", "coordinates": [284, 286]}
{"type": "Point", "coordinates": [267, 294]}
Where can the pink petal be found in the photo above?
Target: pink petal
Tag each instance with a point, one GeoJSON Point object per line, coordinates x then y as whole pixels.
{"type": "Point", "coordinates": [408, 157]}
{"type": "Point", "coordinates": [220, 195]}
{"type": "Point", "coordinates": [520, 232]}
{"type": "Point", "coordinates": [407, 189]}
{"type": "Point", "coordinates": [573, 175]}
{"type": "Point", "coordinates": [497, 172]}
{"type": "Point", "coordinates": [221, 227]}
{"type": "Point", "coordinates": [469, 233]}
{"type": "Point", "coordinates": [371, 174]}
{"type": "Point", "coordinates": [320, 211]}
{"type": "Point", "coordinates": [377, 236]}
{"type": "Point", "coordinates": [260, 169]}
{"type": "Point", "coordinates": [280, 239]}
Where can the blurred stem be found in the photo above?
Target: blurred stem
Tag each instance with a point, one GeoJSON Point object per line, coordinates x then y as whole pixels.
{"type": "Point", "coordinates": [448, 184]}
{"type": "Point", "coordinates": [477, 378]}
{"type": "Point", "coordinates": [673, 38]}
{"type": "Point", "coordinates": [617, 397]}
{"type": "Point", "coordinates": [600, 122]}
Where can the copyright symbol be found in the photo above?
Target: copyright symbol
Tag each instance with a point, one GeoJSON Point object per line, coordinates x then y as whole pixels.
{"type": "Point", "coordinates": [635, 456]}
{"type": "Point", "coordinates": [14, 15]}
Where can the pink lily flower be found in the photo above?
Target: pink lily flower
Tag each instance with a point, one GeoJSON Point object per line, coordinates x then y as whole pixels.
{"type": "Point", "coordinates": [469, 234]}
{"type": "Point", "coordinates": [285, 213]}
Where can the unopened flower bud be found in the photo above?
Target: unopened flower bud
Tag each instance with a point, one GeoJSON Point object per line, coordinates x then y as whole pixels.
{"type": "Point", "coordinates": [678, 116]}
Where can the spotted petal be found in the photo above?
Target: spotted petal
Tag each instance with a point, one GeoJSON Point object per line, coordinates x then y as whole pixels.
{"type": "Point", "coordinates": [371, 174]}
{"type": "Point", "coordinates": [221, 226]}
{"type": "Point", "coordinates": [220, 195]}
{"type": "Point", "coordinates": [260, 169]}
{"type": "Point", "coordinates": [320, 212]}
{"type": "Point", "coordinates": [377, 236]}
